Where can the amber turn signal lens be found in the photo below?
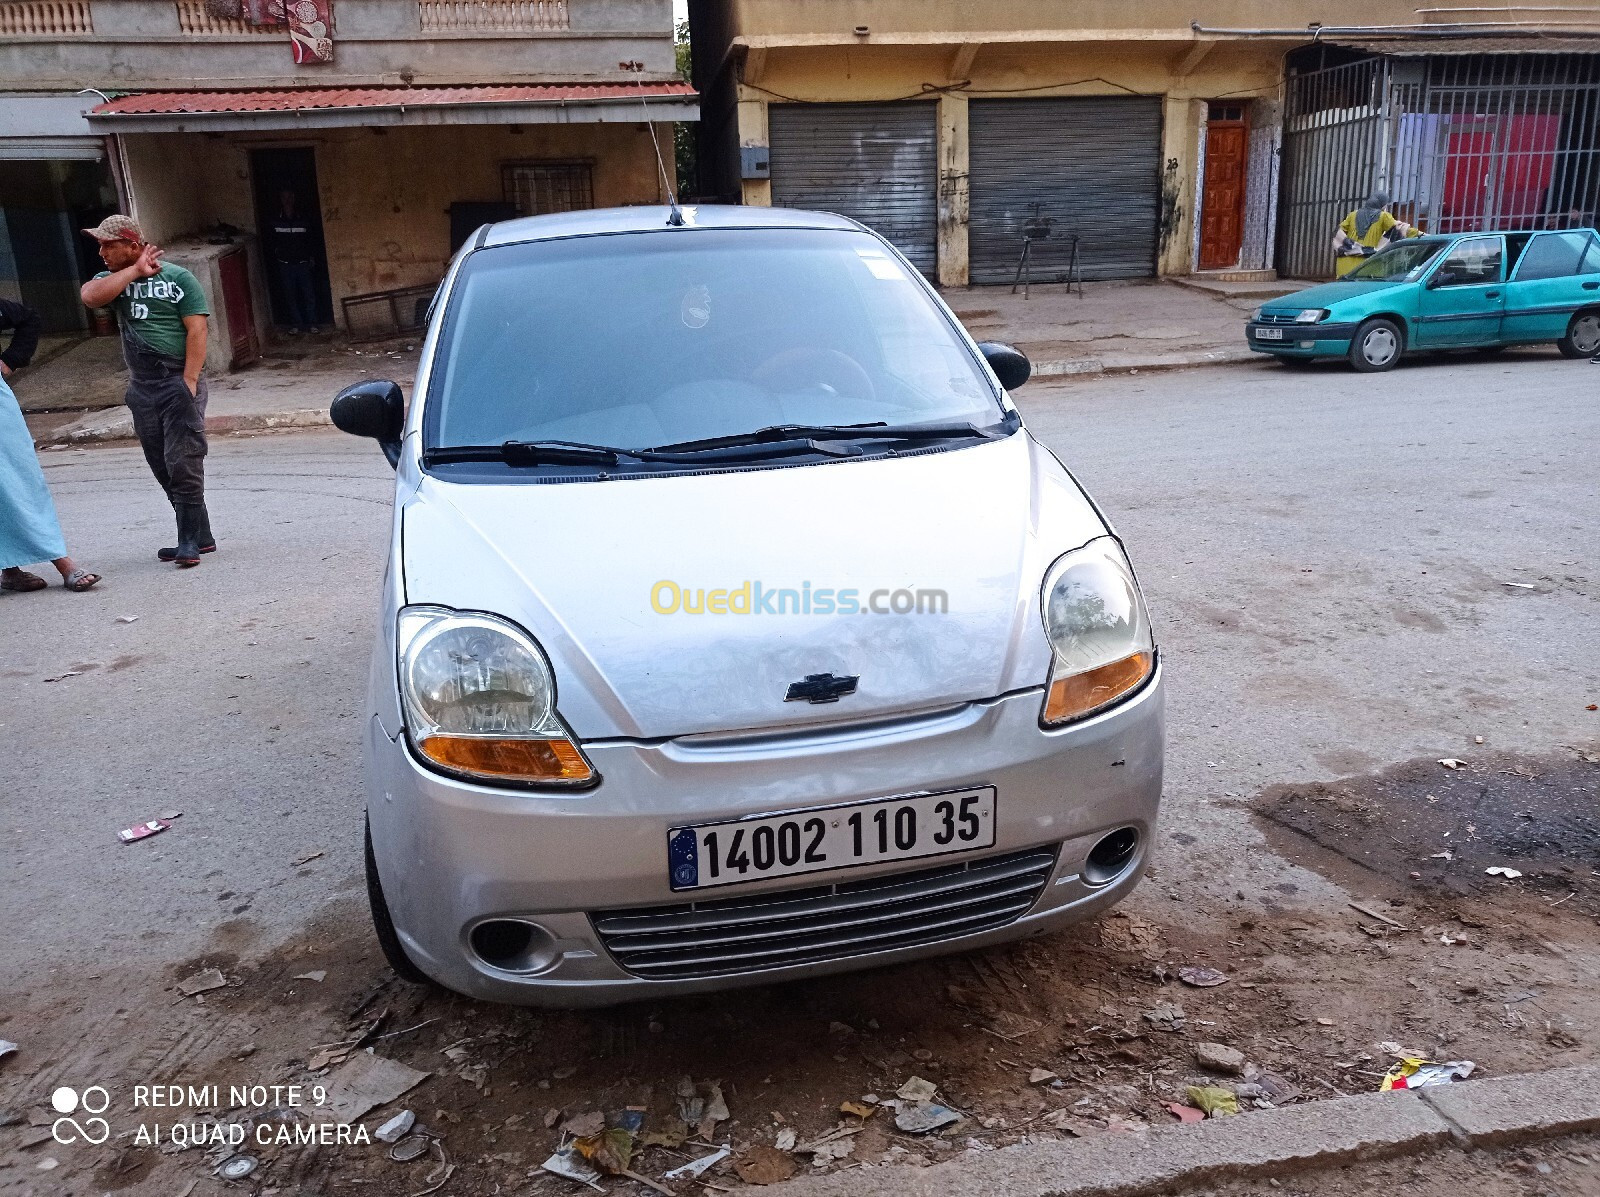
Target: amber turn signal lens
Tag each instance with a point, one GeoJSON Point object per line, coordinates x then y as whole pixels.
{"type": "Point", "coordinates": [516, 760]}
{"type": "Point", "coordinates": [1084, 693]}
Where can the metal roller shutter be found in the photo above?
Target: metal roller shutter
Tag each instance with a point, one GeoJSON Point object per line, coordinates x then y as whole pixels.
{"type": "Point", "coordinates": [1092, 164]}
{"type": "Point", "coordinates": [876, 163]}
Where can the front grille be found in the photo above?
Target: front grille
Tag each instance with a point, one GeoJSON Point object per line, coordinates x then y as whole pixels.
{"type": "Point", "coordinates": [827, 922]}
{"type": "Point", "coordinates": [1277, 317]}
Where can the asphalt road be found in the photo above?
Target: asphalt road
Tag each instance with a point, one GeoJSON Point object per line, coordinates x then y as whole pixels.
{"type": "Point", "coordinates": [1329, 557]}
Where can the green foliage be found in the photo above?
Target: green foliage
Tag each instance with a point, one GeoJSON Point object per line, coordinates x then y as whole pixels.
{"type": "Point", "coordinates": [683, 133]}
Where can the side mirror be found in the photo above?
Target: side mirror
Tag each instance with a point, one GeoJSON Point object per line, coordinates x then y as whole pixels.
{"type": "Point", "coordinates": [375, 408]}
{"type": "Point", "coordinates": [1010, 365]}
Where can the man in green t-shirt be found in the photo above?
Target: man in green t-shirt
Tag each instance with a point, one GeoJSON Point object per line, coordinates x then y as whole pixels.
{"type": "Point", "coordinates": [162, 313]}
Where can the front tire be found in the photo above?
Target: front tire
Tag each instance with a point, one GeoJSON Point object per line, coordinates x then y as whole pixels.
{"type": "Point", "coordinates": [1583, 335]}
{"type": "Point", "coordinates": [1377, 345]}
{"type": "Point", "coordinates": [383, 925]}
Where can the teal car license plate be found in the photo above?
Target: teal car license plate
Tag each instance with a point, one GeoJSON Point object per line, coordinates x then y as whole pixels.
{"type": "Point", "coordinates": [1269, 334]}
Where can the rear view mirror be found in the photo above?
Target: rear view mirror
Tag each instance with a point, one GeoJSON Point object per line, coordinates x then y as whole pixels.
{"type": "Point", "coordinates": [375, 408]}
{"type": "Point", "coordinates": [1010, 365]}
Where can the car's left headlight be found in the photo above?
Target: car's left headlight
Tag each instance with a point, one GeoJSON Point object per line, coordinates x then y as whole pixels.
{"type": "Point", "coordinates": [1099, 632]}
{"type": "Point", "coordinates": [480, 700]}
{"type": "Point", "coordinates": [1312, 315]}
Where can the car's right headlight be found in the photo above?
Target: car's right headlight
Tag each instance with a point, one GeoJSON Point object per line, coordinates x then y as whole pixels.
{"type": "Point", "coordinates": [480, 700]}
{"type": "Point", "coordinates": [1099, 632]}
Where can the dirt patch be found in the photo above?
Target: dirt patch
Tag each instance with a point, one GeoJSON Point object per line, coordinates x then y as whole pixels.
{"type": "Point", "coordinates": [1435, 829]}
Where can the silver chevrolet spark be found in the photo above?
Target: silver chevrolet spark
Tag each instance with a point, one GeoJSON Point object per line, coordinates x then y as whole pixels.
{"type": "Point", "coordinates": [734, 629]}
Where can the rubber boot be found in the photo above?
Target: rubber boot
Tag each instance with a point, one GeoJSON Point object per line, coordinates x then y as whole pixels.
{"type": "Point", "coordinates": [205, 541]}
{"type": "Point", "coordinates": [190, 518]}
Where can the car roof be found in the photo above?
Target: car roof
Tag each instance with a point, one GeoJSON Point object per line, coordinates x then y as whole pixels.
{"type": "Point", "coordinates": [654, 217]}
{"type": "Point", "coordinates": [1499, 233]}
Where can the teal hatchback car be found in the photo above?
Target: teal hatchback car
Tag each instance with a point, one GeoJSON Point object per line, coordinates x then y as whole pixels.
{"type": "Point", "coordinates": [1473, 290]}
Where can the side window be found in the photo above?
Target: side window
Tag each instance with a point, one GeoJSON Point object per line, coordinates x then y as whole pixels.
{"type": "Point", "coordinates": [1591, 260]}
{"type": "Point", "coordinates": [1553, 255]}
{"type": "Point", "coordinates": [1472, 262]}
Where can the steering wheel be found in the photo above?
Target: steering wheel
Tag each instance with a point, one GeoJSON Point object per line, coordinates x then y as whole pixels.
{"type": "Point", "coordinates": [828, 370]}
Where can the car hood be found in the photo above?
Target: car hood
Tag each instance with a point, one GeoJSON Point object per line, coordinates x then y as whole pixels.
{"type": "Point", "coordinates": [1328, 294]}
{"type": "Point", "coordinates": [576, 564]}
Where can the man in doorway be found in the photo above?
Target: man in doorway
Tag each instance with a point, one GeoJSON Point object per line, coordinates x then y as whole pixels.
{"type": "Point", "coordinates": [1365, 231]}
{"type": "Point", "coordinates": [293, 257]}
{"type": "Point", "coordinates": [162, 313]}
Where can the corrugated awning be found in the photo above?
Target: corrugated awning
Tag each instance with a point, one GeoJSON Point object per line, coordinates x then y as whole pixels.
{"type": "Point", "coordinates": [1414, 47]}
{"type": "Point", "coordinates": [342, 107]}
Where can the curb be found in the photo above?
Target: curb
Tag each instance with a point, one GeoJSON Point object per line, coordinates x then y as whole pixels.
{"type": "Point", "coordinates": [119, 426]}
{"type": "Point", "coordinates": [1483, 1113]}
{"type": "Point", "coordinates": [1059, 367]}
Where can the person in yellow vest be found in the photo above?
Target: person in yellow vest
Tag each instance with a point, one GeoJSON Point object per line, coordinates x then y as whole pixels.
{"type": "Point", "coordinates": [1365, 231]}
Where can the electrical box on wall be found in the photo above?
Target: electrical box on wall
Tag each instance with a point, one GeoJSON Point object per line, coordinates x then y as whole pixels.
{"type": "Point", "coordinates": [755, 162]}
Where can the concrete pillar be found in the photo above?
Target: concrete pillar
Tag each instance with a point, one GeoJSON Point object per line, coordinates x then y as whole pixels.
{"type": "Point", "coordinates": [752, 117]}
{"type": "Point", "coordinates": [954, 209]}
{"type": "Point", "coordinates": [1180, 139]}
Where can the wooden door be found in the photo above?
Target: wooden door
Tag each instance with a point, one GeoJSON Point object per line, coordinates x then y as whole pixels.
{"type": "Point", "coordinates": [1222, 202]}
{"type": "Point", "coordinates": [235, 271]}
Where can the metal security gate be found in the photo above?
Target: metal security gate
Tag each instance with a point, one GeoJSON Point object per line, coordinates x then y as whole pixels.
{"type": "Point", "coordinates": [1459, 142]}
{"type": "Point", "coordinates": [876, 163]}
{"type": "Point", "coordinates": [1090, 166]}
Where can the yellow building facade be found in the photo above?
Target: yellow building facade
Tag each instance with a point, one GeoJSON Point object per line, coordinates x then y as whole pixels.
{"type": "Point", "coordinates": [1116, 140]}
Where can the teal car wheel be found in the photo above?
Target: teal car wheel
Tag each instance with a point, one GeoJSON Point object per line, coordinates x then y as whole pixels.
{"type": "Point", "coordinates": [1583, 335]}
{"type": "Point", "coordinates": [1377, 345]}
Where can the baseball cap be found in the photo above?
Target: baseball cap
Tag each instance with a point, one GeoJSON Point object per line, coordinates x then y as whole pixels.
{"type": "Point", "coordinates": [117, 228]}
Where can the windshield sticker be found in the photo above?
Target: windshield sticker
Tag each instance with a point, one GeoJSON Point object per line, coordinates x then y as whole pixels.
{"type": "Point", "coordinates": [696, 307]}
{"type": "Point", "coordinates": [881, 265]}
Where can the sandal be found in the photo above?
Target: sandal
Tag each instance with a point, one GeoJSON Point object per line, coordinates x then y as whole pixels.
{"type": "Point", "coordinates": [21, 580]}
{"type": "Point", "coordinates": [80, 580]}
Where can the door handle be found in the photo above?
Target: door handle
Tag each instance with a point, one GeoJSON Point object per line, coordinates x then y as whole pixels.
{"type": "Point", "coordinates": [1591, 286]}
{"type": "Point", "coordinates": [1491, 295]}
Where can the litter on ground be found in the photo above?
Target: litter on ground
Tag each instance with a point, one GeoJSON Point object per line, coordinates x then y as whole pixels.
{"type": "Point", "coordinates": [1413, 1072]}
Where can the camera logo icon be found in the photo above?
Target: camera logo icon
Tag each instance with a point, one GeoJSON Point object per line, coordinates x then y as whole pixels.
{"type": "Point", "coordinates": [67, 1101]}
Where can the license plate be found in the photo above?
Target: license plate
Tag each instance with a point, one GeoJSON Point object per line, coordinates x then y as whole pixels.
{"type": "Point", "coordinates": [1269, 334]}
{"type": "Point", "coordinates": [837, 837]}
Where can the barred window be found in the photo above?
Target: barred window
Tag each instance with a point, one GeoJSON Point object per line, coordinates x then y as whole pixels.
{"type": "Point", "coordinates": [540, 187]}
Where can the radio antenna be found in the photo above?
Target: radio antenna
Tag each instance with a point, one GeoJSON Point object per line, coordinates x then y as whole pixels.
{"type": "Point", "coordinates": [675, 215]}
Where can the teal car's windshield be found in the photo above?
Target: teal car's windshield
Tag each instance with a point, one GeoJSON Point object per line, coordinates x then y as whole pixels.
{"type": "Point", "coordinates": [1399, 263]}
{"type": "Point", "coordinates": [660, 338]}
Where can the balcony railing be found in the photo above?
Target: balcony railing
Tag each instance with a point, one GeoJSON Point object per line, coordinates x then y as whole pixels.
{"type": "Point", "coordinates": [46, 17]}
{"type": "Point", "coordinates": [493, 16]}
{"type": "Point", "coordinates": [194, 17]}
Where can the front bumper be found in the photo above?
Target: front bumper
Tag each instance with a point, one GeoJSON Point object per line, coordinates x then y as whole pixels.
{"type": "Point", "coordinates": [451, 854]}
{"type": "Point", "coordinates": [1328, 339]}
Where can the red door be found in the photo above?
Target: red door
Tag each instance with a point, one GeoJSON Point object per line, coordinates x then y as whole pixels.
{"type": "Point", "coordinates": [1222, 201]}
{"type": "Point", "coordinates": [235, 271]}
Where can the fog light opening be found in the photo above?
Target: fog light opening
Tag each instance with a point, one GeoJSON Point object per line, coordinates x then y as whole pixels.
{"type": "Point", "coordinates": [513, 946]}
{"type": "Point", "coordinates": [1110, 858]}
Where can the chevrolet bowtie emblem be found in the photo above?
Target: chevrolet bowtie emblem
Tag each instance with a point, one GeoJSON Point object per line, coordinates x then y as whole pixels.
{"type": "Point", "coordinates": [821, 687]}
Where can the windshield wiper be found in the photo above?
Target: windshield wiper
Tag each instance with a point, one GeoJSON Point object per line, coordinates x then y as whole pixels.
{"type": "Point", "coordinates": [528, 453]}
{"type": "Point", "coordinates": [877, 430]}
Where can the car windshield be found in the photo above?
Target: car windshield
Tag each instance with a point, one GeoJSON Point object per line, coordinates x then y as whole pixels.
{"type": "Point", "coordinates": [649, 339]}
{"type": "Point", "coordinates": [1399, 263]}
